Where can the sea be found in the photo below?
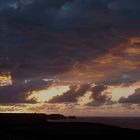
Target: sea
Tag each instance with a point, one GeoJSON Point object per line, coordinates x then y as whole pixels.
{"type": "Point", "coordinates": [123, 122]}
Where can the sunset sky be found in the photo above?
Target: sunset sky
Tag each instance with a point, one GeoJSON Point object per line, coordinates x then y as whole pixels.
{"type": "Point", "coordinates": [75, 57]}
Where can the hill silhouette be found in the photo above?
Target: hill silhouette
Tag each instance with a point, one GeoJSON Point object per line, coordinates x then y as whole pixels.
{"type": "Point", "coordinates": [56, 117]}
{"type": "Point", "coordinates": [36, 127]}
{"type": "Point", "coordinates": [13, 118]}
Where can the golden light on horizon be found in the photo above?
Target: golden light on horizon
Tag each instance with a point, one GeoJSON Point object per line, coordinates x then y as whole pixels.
{"type": "Point", "coordinates": [134, 40]}
{"type": "Point", "coordinates": [119, 91]}
{"type": "Point", "coordinates": [5, 79]}
{"type": "Point", "coordinates": [85, 99]}
{"type": "Point", "coordinates": [47, 94]}
{"type": "Point", "coordinates": [132, 51]}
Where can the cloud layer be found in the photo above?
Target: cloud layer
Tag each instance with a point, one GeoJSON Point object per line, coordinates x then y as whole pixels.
{"type": "Point", "coordinates": [71, 42]}
{"type": "Point", "coordinates": [132, 99]}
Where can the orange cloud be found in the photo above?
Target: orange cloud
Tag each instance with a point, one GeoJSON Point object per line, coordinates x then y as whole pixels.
{"type": "Point", "coordinates": [134, 40]}
{"type": "Point", "coordinates": [5, 79]}
{"type": "Point", "coordinates": [45, 95]}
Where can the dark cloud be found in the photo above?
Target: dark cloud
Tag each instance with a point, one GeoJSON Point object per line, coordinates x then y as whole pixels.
{"type": "Point", "coordinates": [97, 92]}
{"type": "Point", "coordinates": [79, 40]}
{"type": "Point", "coordinates": [72, 95]}
{"type": "Point", "coordinates": [132, 99]}
{"type": "Point", "coordinates": [132, 5]}
{"type": "Point", "coordinates": [18, 92]}
{"type": "Point", "coordinates": [98, 97]}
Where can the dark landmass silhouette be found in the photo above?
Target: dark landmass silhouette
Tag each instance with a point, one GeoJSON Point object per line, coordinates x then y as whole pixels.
{"type": "Point", "coordinates": [71, 117]}
{"type": "Point", "coordinates": [55, 117]}
{"type": "Point", "coordinates": [12, 118]}
{"type": "Point", "coordinates": [37, 127]}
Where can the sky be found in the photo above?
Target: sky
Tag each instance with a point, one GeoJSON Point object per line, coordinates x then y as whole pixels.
{"type": "Point", "coordinates": [74, 57]}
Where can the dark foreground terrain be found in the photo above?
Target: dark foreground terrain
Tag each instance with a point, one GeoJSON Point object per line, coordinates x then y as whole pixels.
{"type": "Point", "coordinates": [32, 127]}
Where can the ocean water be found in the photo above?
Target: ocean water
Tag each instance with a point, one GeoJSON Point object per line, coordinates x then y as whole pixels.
{"type": "Point", "coordinates": [124, 122]}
